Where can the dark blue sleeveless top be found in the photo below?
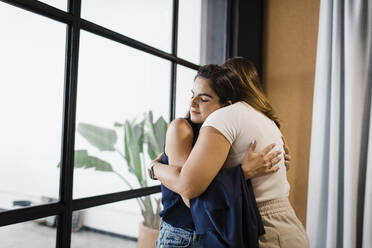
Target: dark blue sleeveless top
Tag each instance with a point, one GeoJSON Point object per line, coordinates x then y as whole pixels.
{"type": "Point", "coordinates": [174, 212]}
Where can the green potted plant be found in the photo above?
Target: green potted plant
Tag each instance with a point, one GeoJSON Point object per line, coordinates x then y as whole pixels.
{"type": "Point", "coordinates": [140, 137]}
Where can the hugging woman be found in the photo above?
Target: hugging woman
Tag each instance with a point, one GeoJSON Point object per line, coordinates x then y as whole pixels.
{"type": "Point", "coordinates": [226, 116]}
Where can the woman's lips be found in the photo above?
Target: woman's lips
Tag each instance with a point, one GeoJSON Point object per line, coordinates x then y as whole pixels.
{"type": "Point", "coordinates": [194, 112]}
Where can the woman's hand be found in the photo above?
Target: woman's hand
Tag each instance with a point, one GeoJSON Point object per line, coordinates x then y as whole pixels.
{"type": "Point", "coordinates": [158, 158]}
{"type": "Point", "coordinates": [150, 166]}
{"type": "Point", "coordinates": [257, 164]}
{"type": "Point", "coordinates": [287, 156]}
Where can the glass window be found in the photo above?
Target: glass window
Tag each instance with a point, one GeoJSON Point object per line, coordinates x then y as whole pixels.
{"type": "Point", "coordinates": [189, 26]}
{"type": "Point", "coordinates": [185, 80]}
{"type": "Point", "coordinates": [60, 4]}
{"type": "Point", "coordinates": [115, 225]}
{"type": "Point", "coordinates": [31, 98]}
{"type": "Point", "coordinates": [122, 116]}
{"type": "Point", "coordinates": [31, 234]}
{"type": "Point", "coordinates": [147, 21]}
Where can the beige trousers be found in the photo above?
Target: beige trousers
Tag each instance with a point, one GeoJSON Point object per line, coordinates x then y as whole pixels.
{"type": "Point", "coordinates": [282, 227]}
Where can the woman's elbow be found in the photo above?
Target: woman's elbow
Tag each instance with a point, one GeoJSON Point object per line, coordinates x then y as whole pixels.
{"type": "Point", "coordinates": [189, 187]}
{"type": "Point", "coordinates": [191, 191]}
{"type": "Point", "coordinates": [190, 194]}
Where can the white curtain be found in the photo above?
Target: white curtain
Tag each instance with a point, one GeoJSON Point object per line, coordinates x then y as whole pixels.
{"type": "Point", "coordinates": [339, 208]}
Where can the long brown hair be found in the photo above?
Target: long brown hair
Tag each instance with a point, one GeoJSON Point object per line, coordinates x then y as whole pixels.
{"type": "Point", "coordinates": [251, 86]}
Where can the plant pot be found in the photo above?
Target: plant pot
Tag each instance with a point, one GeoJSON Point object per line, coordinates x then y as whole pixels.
{"type": "Point", "coordinates": [147, 236]}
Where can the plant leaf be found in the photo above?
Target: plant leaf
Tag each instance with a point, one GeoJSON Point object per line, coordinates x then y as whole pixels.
{"type": "Point", "coordinates": [161, 127]}
{"type": "Point", "coordinates": [83, 160]}
{"type": "Point", "coordinates": [118, 124]}
{"type": "Point", "coordinates": [102, 138]}
{"type": "Point", "coordinates": [133, 146]}
{"type": "Point", "coordinates": [138, 130]}
{"type": "Point", "coordinates": [155, 135]}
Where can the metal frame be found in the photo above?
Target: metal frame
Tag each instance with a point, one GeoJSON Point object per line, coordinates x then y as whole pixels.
{"type": "Point", "coordinates": [174, 64]}
{"type": "Point", "coordinates": [66, 204]}
{"type": "Point", "coordinates": [245, 30]}
{"type": "Point", "coordinates": [68, 135]}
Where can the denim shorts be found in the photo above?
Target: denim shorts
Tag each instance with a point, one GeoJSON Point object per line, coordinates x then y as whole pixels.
{"type": "Point", "coordinates": [170, 236]}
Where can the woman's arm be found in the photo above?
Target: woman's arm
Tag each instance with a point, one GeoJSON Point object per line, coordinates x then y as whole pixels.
{"type": "Point", "coordinates": [205, 160]}
{"type": "Point", "coordinates": [255, 164]}
{"type": "Point", "coordinates": [210, 152]}
{"type": "Point", "coordinates": [178, 142]}
{"type": "Point", "coordinates": [178, 145]}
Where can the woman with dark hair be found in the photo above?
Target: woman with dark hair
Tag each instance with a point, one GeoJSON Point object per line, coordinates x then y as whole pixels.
{"type": "Point", "coordinates": [214, 88]}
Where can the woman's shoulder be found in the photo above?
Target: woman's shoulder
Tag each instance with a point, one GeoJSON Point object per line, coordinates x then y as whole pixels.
{"type": "Point", "coordinates": [228, 113]}
{"type": "Point", "coordinates": [180, 126]}
{"type": "Point", "coordinates": [179, 133]}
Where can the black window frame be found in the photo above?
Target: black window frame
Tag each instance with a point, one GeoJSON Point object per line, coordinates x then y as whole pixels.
{"type": "Point", "coordinates": [72, 18]}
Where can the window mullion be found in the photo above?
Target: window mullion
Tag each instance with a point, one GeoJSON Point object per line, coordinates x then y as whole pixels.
{"type": "Point", "coordinates": [68, 136]}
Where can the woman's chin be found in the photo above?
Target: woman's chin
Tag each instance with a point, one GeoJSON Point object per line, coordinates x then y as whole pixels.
{"type": "Point", "coordinates": [196, 120]}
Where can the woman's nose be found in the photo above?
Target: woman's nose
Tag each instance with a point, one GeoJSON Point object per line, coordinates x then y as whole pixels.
{"type": "Point", "coordinates": [193, 101]}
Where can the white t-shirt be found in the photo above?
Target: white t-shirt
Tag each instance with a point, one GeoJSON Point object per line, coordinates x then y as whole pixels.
{"type": "Point", "coordinates": [240, 124]}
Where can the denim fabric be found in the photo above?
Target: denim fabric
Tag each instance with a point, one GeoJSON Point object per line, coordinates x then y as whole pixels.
{"type": "Point", "coordinates": [174, 237]}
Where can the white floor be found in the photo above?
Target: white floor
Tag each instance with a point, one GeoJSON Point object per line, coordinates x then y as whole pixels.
{"type": "Point", "coordinates": [33, 235]}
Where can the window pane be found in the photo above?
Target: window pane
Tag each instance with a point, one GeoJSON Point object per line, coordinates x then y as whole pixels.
{"type": "Point", "coordinates": [113, 225]}
{"type": "Point", "coordinates": [32, 61]}
{"type": "Point", "coordinates": [60, 4]}
{"type": "Point", "coordinates": [117, 85]}
{"type": "Point", "coordinates": [145, 20]}
{"type": "Point", "coordinates": [30, 234]}
{"type": "Point", "coordinates": [185, 80]}
{"type": "Point", "coordinates": [189, 24]}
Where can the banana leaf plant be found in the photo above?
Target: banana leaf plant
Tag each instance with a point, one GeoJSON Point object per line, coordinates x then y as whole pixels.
{"type": "Point", "coordinates": [137, 134]}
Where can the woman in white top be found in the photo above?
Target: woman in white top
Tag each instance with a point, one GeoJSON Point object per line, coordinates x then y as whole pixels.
{"type": "Point", "coordinates": [222, 142]}
{"type": "Point", "coordinates": [256, 119]}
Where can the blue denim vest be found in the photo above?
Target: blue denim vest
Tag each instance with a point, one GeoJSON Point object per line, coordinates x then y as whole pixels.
{"type": "Point", "coordinates": [174, 212]}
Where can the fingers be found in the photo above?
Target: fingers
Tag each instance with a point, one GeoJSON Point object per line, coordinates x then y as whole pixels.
{"type": "Point", "coordinates": [275, 161]}
{"type": "Point", "coordinates": [158, 158]}
{"type": "Point", "coordinates": [272, 170]}
{"type": "Point", "coordinates": [252, 147]}
{"type": "Point", "coordinates": [268, 149]}
{"type": "Point", "coordinates": [287, 165]}
{"type": "Point", "coordinates": [287, 157]}
{"type": "Point", "coordinates": [273, 155]}
{"type": "Point", "coordinates": [284, 140]}
{"type": "Point", "coordinates": [287, 161]}
{"type": "Point", "coordinates": [286, 148]}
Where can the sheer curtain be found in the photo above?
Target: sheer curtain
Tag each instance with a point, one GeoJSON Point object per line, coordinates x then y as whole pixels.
{"type": "Point", "coordinates": [339, 208]}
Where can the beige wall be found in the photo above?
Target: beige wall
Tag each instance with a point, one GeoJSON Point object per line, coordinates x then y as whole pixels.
{"type": "Point", "coordinates": [290, 37]}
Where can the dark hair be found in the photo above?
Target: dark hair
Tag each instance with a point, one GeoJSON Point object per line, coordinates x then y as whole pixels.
{"type": "Point", "coordinates": [251, 86]}
{"type": "Point", "coordinates": [223, 82]}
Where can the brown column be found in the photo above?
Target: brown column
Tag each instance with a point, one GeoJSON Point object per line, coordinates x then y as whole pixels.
{"type": "Point", "coordinates": [289, 52]}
